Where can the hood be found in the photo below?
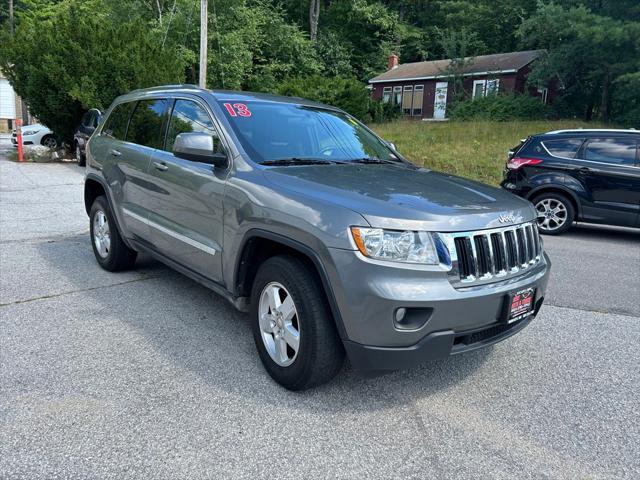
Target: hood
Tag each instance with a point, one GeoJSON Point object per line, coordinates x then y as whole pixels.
{"type": "Point", "coordinates": [390, 196]}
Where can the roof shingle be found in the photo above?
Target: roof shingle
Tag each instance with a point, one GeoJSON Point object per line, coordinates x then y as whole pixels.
{"type": "Point", "coordinates": [497, 63]}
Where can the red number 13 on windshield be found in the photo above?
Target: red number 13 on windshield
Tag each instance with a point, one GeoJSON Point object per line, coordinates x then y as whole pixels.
{"type": "Point", "coordinates": [237, 109]}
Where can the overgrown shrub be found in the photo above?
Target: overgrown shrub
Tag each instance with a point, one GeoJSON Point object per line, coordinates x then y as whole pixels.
{"type": "Point", "coordinates": [501, 108]}
{"type": "Point", "coordinates": [380, 112]}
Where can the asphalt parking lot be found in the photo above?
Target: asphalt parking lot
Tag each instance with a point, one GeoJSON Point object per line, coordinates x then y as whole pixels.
{"type": "Point", "coordinates": [146, 374]}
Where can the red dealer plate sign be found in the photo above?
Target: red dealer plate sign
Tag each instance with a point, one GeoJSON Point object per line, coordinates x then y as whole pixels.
{"type": "Point", "coordinates": [521, 304]}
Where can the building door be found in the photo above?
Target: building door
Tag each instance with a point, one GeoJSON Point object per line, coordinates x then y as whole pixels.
{"type": "Point", "coordinates": [440, 101]}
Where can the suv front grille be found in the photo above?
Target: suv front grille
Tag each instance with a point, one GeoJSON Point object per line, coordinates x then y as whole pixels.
{"type": "Point", "coordinates": [486, 255]}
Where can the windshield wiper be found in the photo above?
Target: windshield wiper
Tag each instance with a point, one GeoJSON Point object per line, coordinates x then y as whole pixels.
{"type": "Point", "coordinates": [373, 160]}
{"type": "Point", "coordinates": [298, 161]}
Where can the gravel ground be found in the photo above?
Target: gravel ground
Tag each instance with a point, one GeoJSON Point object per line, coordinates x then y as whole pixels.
{"type": "Point", "coordinates": [146, 374]}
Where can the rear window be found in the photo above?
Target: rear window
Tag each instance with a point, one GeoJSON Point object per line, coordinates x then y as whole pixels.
{"type": "Point", "coordinates": [116, 126]}
{"type": "Point", "coordinates": [566, 147]}
{"type": "Point", "coordinates": [145, 127]}
{"type": "Point", "coordinates": [618, 151]}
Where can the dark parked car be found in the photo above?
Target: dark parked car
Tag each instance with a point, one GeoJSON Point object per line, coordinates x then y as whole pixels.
{"type": "Point", "coordinates": [297, 212]}
{"type": "Point", "coordinates": [88, 125]}
{"type": "Point", "coordinates": [590, 176]}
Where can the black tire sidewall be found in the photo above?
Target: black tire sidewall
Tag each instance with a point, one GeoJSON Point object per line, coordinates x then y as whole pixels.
{"type": "Point", "coordinates": [312, 314]}
{"type": "Point", "coordinates": [100, 203]}
{"type": "Point", "coordinates": [571, 214]}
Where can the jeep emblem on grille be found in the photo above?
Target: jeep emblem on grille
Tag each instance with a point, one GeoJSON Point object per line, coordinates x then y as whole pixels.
{"type": "Point", "coordinates": [507, 218]}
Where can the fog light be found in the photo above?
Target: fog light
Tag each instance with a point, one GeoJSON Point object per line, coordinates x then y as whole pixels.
{"type": "Point", "coordinates": [400, 313]}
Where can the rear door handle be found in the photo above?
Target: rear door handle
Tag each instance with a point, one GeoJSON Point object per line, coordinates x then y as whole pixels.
{"type": "Point", "coordinates": [115, 153]}
{"type": "Point", "coordinates": [160, 166]}
{"type": "Point", "coordinates": [585, 170]}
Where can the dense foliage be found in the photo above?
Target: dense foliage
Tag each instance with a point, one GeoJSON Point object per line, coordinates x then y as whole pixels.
{"type": "Point", "coordinates": [68, 55]}
{"type": "Point", "coordinates": [501, 108]}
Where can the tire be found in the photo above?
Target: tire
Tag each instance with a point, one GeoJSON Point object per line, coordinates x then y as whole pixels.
{"type": "Point", "coordinates": [110, 251]}
{"type": "Point", "coordinates": [562, 220]}
{"type": "Point", "coordinates": [80, 158]}
{"type": "Point", "coordinates": [320, 353]}
{"type": "Point", "coordinates": [49, 141]}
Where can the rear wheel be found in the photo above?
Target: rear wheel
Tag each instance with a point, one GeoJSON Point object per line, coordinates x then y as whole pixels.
{"type": "Point", "coordinates": [80, 158]}
{"type": "Point", "coordinates": [108, 247]}
{"type": "Point", "coordinates": [555, 213]}
{"type": "Point", "coordinates": [292, 324]}
{"type": "Point", "coordinates": [49, 141]}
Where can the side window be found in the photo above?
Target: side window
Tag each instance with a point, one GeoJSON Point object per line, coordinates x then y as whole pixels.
{"type": "Point", "coordinates": [617, 151]}
{"type": "Point", "coordinates": [145, 127]}
{"type": "Point", "coordinates": [188, 116]}
{"type": "Point", "coordinates": [566, 148]}
{"type": "Point", "coordinates": [116, 125]}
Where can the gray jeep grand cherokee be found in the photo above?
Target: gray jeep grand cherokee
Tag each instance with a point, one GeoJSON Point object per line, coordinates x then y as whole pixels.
{"type": "Point", "coordinates": [300, 214]}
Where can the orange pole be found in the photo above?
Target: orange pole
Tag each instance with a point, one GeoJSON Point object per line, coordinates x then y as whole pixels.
{"type": "Point", "coordinates": [19, 139]}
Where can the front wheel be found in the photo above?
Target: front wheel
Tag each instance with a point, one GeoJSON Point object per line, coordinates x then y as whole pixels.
{"type": "Point", "coordinates": [292, 324]}
{"type": "Point", "coordinates": [108, 247]}
{"type": "Point", "coordinates": [555, 213]}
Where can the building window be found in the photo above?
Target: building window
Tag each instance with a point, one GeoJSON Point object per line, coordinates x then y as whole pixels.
{"type": "Point", "coordinates": [478, 88]}
{"type": "Point", "coordinates": [493, 86]}
{"type": "Point", "coordinates": [418, 92]}
{"type": "Point", "coordinates": [397, 95]}
{"type": "Point", "coordinates": [386, 94]}
{"type": "Point", "coordinates": [407, 99]}
{"type": "Point", "coordinates": [482, 88]}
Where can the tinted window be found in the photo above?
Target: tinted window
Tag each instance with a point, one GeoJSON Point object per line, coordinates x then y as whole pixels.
{"type": "Point", "coordinates": [116, 125]}
{"type": "Point", "coordinates": [621, 151]}
{"type": "Point", "coordinates": [188, 116]}
{"type": "Point", "coordinates": [145, 127]}
{"type": "Point", "coordinates": [274, 131]}
{"type": "Point", "coordinates": [566, 147]}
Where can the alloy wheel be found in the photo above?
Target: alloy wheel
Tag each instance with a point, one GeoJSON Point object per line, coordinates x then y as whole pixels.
{"type": "Point", "coordinates": [101, 234]}
{"type": "Point", "coordinates": [50, 142]}
{"type": "Point", "coordinates": [279, 324]}
{"type": "Point", "coordinates": [552, 214]}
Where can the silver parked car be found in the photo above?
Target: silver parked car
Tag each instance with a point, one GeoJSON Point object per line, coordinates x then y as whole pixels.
{"type": "Point", "coordinates": [302, 216]}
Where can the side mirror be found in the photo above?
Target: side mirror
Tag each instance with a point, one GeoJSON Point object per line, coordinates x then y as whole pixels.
{"type": "Point", "coordinates": [393, 146]}
{"type": "Point", "coordinates": [198, 147]}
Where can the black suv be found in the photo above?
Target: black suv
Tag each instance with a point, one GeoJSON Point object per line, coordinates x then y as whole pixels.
{"type": "Point", "coordinates": [88, 125]}
{"type": "Point", "coordinates": [591, 176]}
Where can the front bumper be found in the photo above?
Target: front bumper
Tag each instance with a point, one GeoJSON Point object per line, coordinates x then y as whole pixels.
{"type": "Point", "coordinates": [457, 319]}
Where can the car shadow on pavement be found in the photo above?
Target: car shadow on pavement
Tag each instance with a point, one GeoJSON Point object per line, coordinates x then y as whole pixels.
{"type": "Point", "coordinates": [586, 231]}
{"type": "Point", "coordinates": [191, 328]}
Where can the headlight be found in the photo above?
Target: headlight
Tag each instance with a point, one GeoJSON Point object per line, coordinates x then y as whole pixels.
{"type": "Point", "coordinates": [30, 132]}
{"type": "Point", "coordinates": [396, 245]}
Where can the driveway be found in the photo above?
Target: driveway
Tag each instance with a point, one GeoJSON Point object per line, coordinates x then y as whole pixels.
{"type": "Point", "coordinates": [146, 374]}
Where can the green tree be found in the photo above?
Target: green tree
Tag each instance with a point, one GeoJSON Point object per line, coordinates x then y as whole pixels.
{"type": "Point", "coordinates": [67, 57]}
{"type": "Point", "coordinates": [587, 52]}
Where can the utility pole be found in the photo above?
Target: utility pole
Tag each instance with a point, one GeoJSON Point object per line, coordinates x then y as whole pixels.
{"type": "Point", "coordinates": [11, 16]}
{"type": "Point", "coordinates": [203, 43]}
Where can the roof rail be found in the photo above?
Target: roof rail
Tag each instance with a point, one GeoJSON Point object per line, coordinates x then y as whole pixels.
{"type": "Point", "coordinates": [574, 130]}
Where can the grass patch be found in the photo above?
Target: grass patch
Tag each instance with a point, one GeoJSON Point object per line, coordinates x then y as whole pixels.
{"type": "Point", "coordinates": [475, 149]}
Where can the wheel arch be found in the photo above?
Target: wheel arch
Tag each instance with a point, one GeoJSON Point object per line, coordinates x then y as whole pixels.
{"type": "Point", "coordinates": [567, 192]}
{"type": "Point", "coordinates": [95, 186]}
{"type": "Point", "coordinates": [258, 245]}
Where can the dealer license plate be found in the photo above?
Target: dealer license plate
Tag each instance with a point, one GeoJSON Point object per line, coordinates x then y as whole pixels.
{"type": "Point", "coordinates": [521, 304]}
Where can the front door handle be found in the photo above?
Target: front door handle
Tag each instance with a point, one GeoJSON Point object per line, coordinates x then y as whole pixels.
{"type": "Point", "coordinates": [160, 166]}
{"type": "Point", "coordinates": [115, 153]}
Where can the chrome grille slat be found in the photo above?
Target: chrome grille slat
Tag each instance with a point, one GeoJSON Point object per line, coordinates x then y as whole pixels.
{"type": "Point", "coordinates": [479, 256]}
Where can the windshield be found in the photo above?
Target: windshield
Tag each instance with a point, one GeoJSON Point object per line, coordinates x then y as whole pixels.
{"type": "Point", "coordinates": [272, 131]}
